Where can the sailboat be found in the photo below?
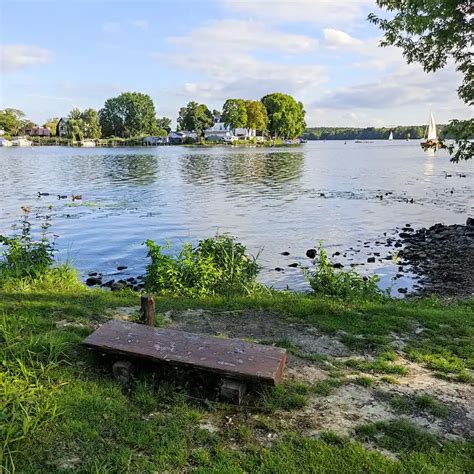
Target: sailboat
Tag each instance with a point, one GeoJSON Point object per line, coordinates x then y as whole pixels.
{"type": "Point", "coordinates": [391, 136]}
{"type": "Point", "coordinates": [432, 142]}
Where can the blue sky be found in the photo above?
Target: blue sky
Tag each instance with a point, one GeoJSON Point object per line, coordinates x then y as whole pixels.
{"type": "Point", "coordinates": [56, 55]}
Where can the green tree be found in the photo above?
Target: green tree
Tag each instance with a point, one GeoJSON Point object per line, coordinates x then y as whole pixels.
{"type": "Point", "coordinates": [91, 124]}
{"type": "Point", "coordinates": [130, 114]}
{"type": "Point", "coordinates": [163, 123]}
{"type": "Point", "coordinates": [285, 115]}
{"type": "Point", "coordinates": [256, 115]}
{"type": "Point", "coordinates": [431, 32]}
{"type": "Point", "coordinates": [11, 121]}
{"type": "Point", "coordinates": [234, 113]}
{"type": "Point", "coordinates": [52, 124]}
{"type": "Point", "coordinates": [195, 118]}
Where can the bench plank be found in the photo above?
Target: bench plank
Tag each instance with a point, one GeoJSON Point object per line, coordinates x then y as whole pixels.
{"type": "Point", "coordinates": [230, 357]}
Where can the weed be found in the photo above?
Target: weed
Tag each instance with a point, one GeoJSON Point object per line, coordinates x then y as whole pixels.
{"type": "Point", "coordinates": [329, 281]}
{"type": "Point", "coordinates": [215, 266]}
{"type": "Point", "coordinates": [418, 403]}
{"type": "Point", "coordinates": [25, 256]}
{"type": "Point", "coordinates": [377, 366]}
{"type": "Point", "coordinates": [389, 379]}
{"type": "Point", "coordinates": [364, 381]}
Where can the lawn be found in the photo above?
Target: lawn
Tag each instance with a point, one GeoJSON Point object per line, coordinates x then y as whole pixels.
{"type": "Point", "coordinates": [63, 412]}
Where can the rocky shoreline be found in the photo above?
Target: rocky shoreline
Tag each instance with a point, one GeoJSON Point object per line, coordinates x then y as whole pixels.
{"type": "Point", "coordinates": [443, 256]}
{"type": "Point", "coordinates": [440, 260]}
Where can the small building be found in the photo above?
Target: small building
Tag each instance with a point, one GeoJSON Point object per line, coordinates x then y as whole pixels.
{"type": "Point", "coordinates": [218, 132]}
{"type": "Point", "coordinates": [62, 127]}
{"type": "Point", "coordinates": [39, 132]}
{"type": "Point", "coordinates": [245, 133]}
{"type": "Point", "coordinates": [155, 141]}
{"type": "Point", "coordinates": [183, 136]}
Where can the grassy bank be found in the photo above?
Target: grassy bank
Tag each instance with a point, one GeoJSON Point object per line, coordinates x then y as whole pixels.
{"type": "Point", "coordinates": [62, 411]}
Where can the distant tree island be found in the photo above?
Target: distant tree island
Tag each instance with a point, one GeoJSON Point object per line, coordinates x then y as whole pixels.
{"type": "Point", "coordinates": [405, 132]}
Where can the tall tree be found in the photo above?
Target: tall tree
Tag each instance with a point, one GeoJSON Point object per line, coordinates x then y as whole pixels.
{"type": "Point", "coordinates": [11, 121]}
{"type": "Point", "coordinates": [91, 124]}
{"type": "Point", "coordinates": [163, 123]}
{"type": "Point", "coordinates": [234, 113]}
{"type": "Point", "coordinates": [256, 115]}
{"type": "Point", "coordinates": [128, 115]}
{"type": "Point", "coordinates": [431, 32]}
{"type": "Point", "coordinates": [285, 115]}
{"type": "Point", "coordinates": [195, 118]}
{"type": "Point", "coordinates": [52, 124]}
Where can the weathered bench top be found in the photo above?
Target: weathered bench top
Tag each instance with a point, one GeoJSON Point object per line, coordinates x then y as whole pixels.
{"type": "Point", "coordinates": [230, 357]}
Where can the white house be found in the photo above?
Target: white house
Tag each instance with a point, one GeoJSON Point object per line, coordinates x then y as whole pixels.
{"type": "Point", "coordinates": [221, 131]}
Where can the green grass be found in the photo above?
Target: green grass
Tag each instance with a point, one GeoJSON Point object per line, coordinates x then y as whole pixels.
{"type": "Point", "coordinates": [414, 405]}
{"type": "Point", "coordinates": [61, 410]}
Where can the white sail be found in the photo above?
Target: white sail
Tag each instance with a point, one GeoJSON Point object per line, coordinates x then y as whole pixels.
{"type": "Point", "coordinates": [432, 129]}
{"type": "Point", "coordinates": [391, 136]}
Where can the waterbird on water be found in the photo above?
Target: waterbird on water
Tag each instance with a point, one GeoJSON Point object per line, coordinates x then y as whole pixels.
{"type": "Point", "coordinates": [62, 196]}
{"type": "Point", "coordinates": [42, 194]}
{"type": "Point", "coordinates": [25, 209]}
{"type": "Point", "coordinates": [76, 197]}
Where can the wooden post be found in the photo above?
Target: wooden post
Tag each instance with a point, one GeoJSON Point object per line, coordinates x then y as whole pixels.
{"type": "Point", "coordinates": [148, 309]}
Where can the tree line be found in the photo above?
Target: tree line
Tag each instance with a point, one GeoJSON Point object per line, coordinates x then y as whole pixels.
{"type": "Point", "coordinates": [368, 133]}
{"type": "Point", "coordinates": [133, 114]}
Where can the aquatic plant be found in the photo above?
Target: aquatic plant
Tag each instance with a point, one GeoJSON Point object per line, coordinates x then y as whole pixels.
{"type": "Point", "coordinates": [216, 266]}
{"type": "Point", "coordinates": [26, 256]}
{"type": "Point", "coordinates": [329, 281]}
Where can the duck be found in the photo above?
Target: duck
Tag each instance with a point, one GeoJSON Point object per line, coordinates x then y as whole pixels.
{"type": "Point", "coordinates": [76, 197]}
{"type": "Point", "coordinates": [42, 194]}
{"type": "Point", "coordinates": [62, 196]}
{"type": "Point", "coordinates": [26, 209]}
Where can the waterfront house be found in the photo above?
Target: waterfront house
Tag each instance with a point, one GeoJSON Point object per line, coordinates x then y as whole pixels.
{"type": "Point", "coordinates": [155, 141]}
{"type": "Point", "coordinates": [219, 132]}
{"type": "Point", "coordinates": [39, 132]}
{"type": "Point", "coordinates": [183, 136]}
{"type": "Point", "coordinates": [62, 127]}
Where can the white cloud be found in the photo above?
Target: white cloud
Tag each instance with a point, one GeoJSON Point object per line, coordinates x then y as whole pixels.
{"type": "Point", "coordinates": [403, 97]}
{"type": "Point", "coordinates": [337, 38]}
{"type": "Point", "coordinates": [112, 27]}
{"type": "Point", "coordinates": [18, 56]}
{"type": "Point", "coordinates": [235, 36]}
{"type": "Point", "coordinates": [226, 56]}
{"type": "Point", "coordinates": [140, 24]}
{"type": "Point", "coordinates": [325, 12]}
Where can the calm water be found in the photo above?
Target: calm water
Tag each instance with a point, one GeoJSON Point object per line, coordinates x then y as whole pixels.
{"type": "Point", "coordinates": [274, 200]}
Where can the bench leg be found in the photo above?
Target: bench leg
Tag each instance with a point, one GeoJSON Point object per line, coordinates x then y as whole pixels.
{"type": "Point", "coordinates": [232, 391]}
{"type": "Point", "coordinates": [122, 371]}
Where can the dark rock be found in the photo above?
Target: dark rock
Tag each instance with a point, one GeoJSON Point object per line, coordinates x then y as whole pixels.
{"type": "Point", "coordinates": [293, 265]}
{"type": "Point", "coordinates": [92, 281]}
{"type": "Point", "coordinates": [398, 244]}
{"type": "Point", "coordinates": [470, 222]}
{"type": "Point", "coordinates": [404, 235]}
{"type": "Point", "coordinates": [338, 265]}
{"type": "Point", "coordinates": [131, 280]}
{"type": "Point", "coordinates": [285, 253]}
{"type": "Point", "coordinates": [92, 274]}
{"type": "Point", "coordinates": [311, 253]}
{"type": "Point", "coordinates": [278, 269]}
{"type": "Point", "coordinates": [121, 267]}
{"type": "Point", "coordinates": [336, 253]}
{"type": "Point", "coordinates": [371, 260]}
{"type": "Point", "coordinates": [402, 290]}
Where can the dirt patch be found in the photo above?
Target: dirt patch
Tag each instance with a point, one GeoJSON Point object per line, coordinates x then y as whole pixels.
{"type": "Point", "coordinates": [350, 404]}
{"type": "Point", "coordinates": [258, 326]}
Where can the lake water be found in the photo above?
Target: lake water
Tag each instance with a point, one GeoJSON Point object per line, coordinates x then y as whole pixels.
{"type": "Point", "coordinates": [273, 200]}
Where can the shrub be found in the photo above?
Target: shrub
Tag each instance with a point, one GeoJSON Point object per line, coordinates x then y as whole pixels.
{"type": "Point", "coordinates": [216, 266]}
{"type": "Point", "coordinates": [329, 281]}
{"type": "Point", "coordinates": [24, 256]}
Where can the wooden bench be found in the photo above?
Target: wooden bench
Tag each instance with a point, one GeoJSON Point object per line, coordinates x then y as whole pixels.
{"type": "Point", "coordinates": [233, 359]}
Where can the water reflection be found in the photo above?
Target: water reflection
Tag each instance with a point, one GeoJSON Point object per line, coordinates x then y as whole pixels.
{"type": "Point", "coordinates": [268, 169]}
{"type": "Point", "coordinates": [130, 169]}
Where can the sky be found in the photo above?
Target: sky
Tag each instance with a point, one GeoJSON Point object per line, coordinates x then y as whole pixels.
{"type": "Point", "coordinates": [56, 55]}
